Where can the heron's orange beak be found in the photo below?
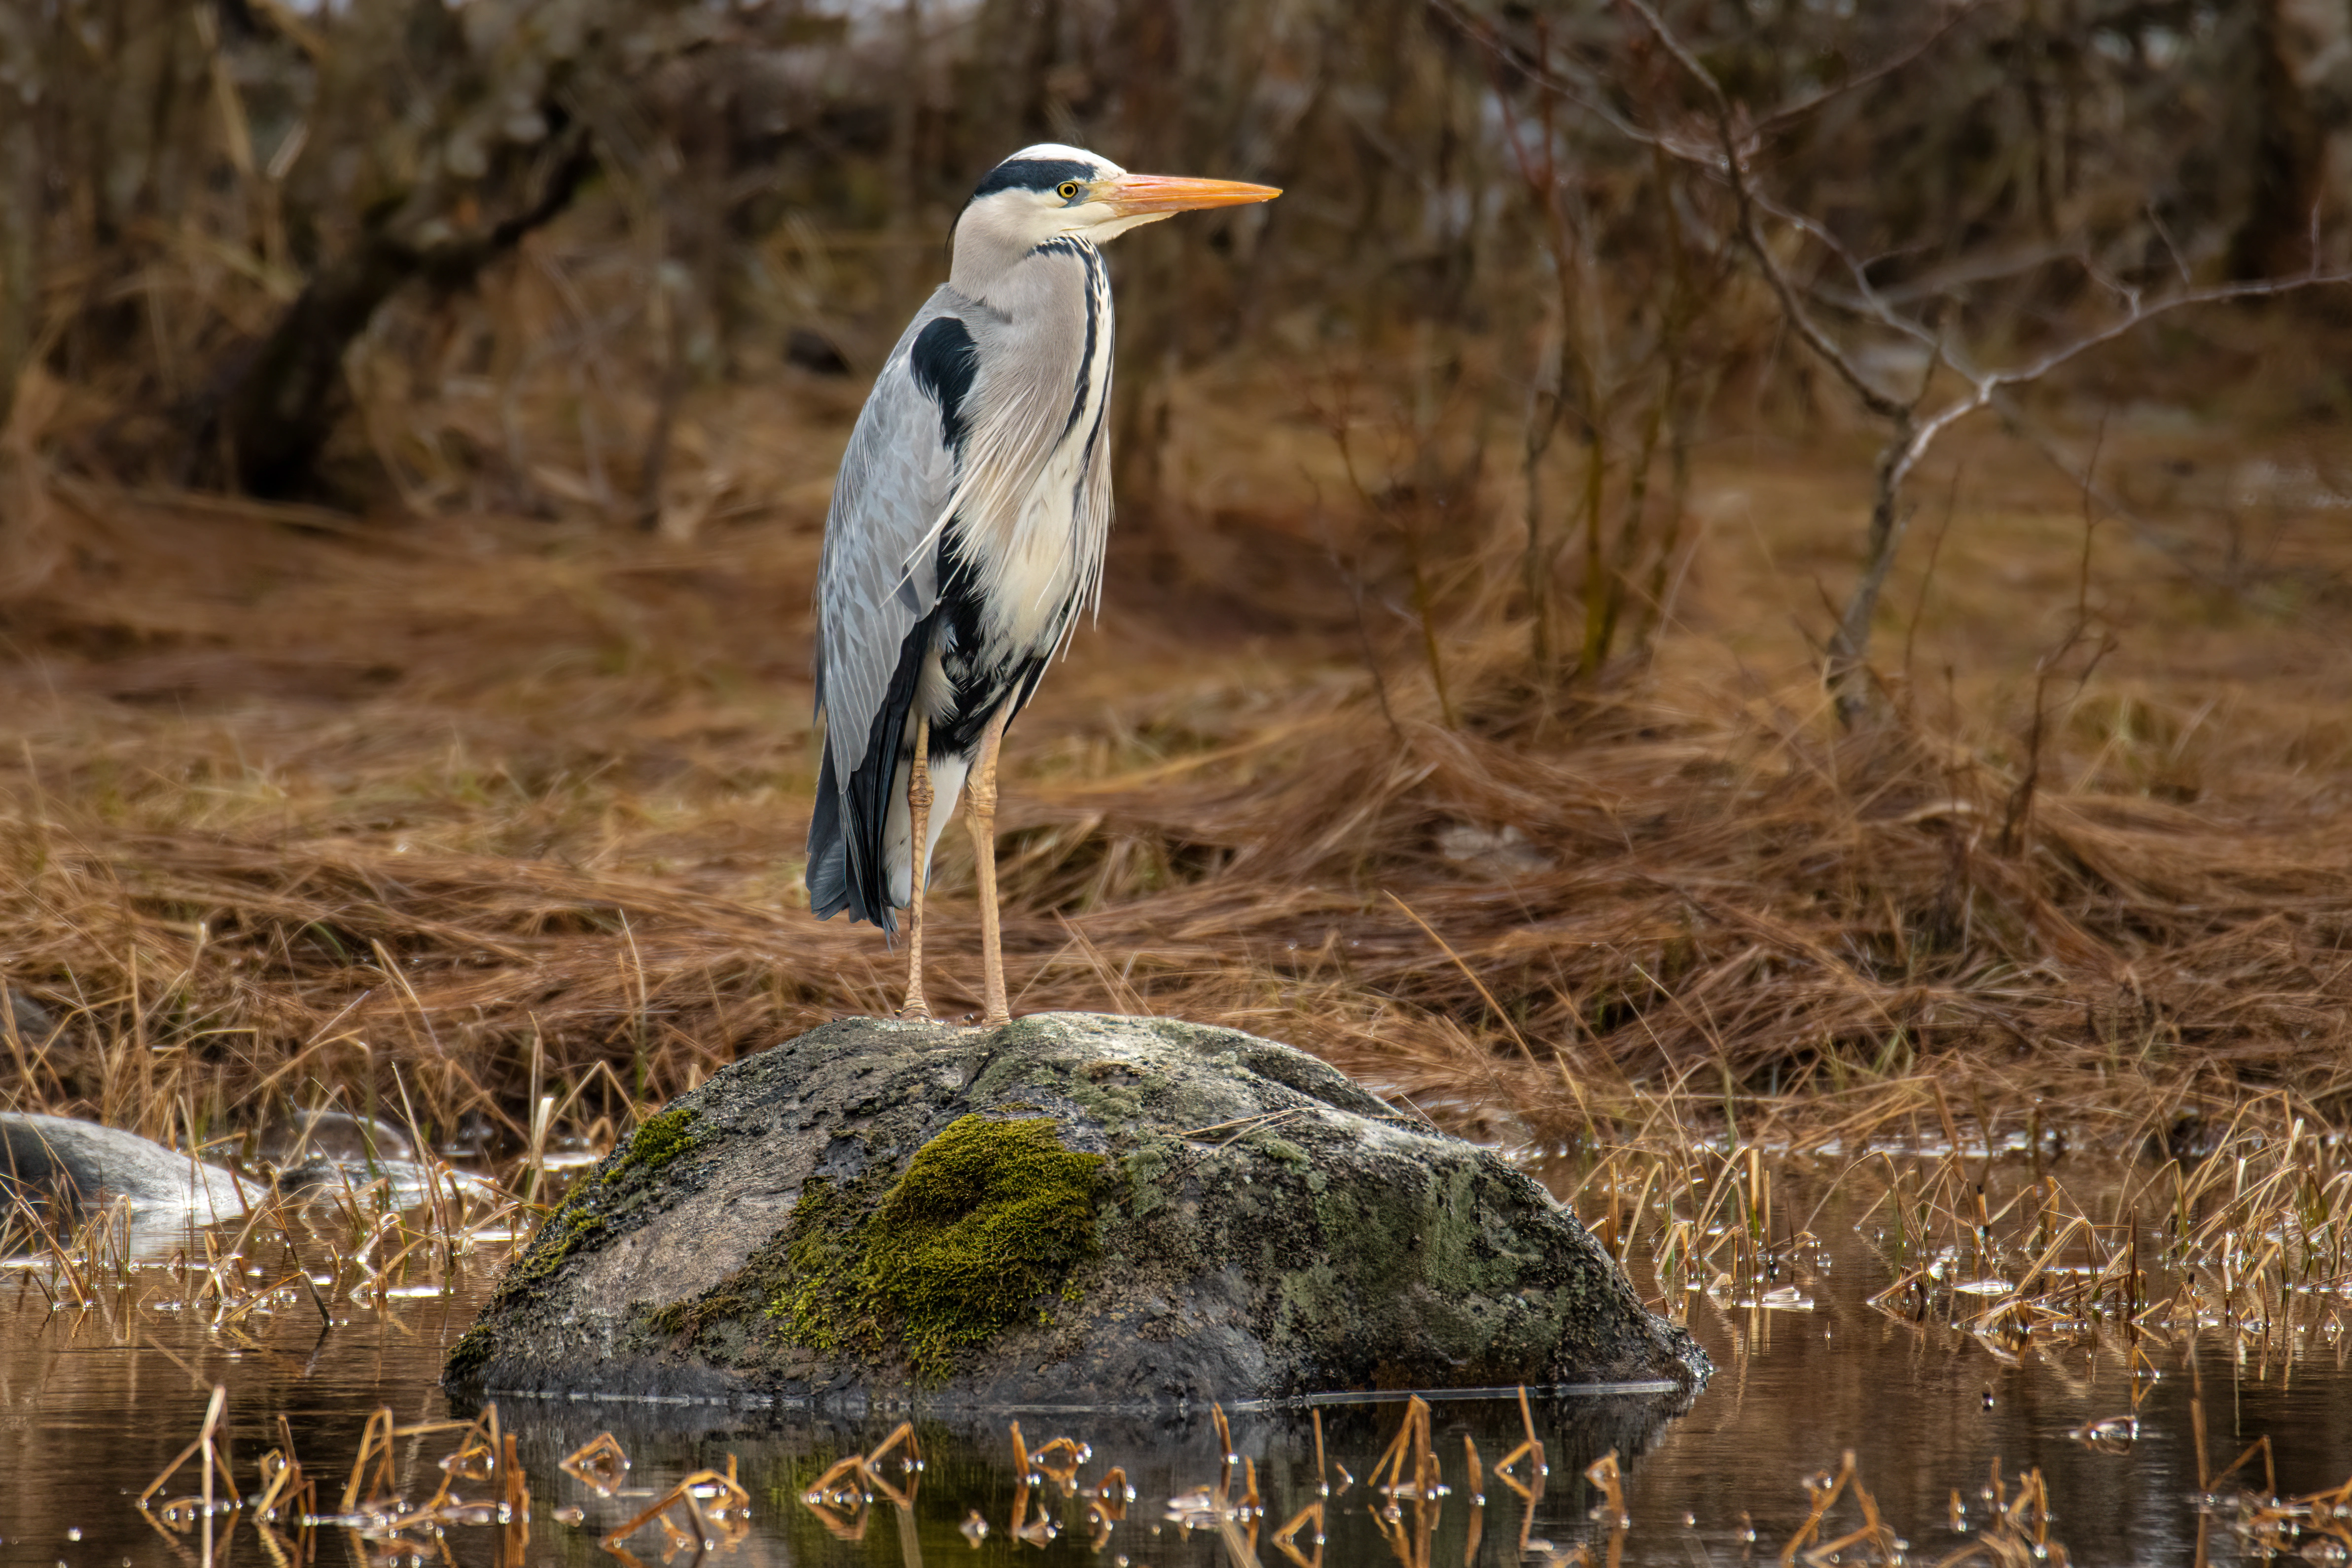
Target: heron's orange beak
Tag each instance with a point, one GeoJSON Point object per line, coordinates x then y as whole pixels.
{"type": "Point", "coordinates": [1158, 195]}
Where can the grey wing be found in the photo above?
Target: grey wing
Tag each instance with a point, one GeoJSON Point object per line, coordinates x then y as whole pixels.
{"type": "Point", "coordinates": [880, 570]}
{"type": "Point", "coordinates": [879, 576]}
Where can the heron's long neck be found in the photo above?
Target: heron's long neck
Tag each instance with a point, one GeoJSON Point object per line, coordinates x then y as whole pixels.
{"type": "Point", "coordinates": [1092, 393]}
{"type": "Point", "coordinates": [1034, 481]}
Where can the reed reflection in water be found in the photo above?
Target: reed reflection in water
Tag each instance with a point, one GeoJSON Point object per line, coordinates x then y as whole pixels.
{"type": "Point", "coordinates": [1854, 1415]}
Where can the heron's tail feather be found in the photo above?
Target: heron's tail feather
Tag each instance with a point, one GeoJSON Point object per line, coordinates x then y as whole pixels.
{"type": "Point", "coordinates": [828, 850]}
{"type": "Point", "coordinates": [832, 885]}
{"type": "Point", "coordinates": [854, 863]}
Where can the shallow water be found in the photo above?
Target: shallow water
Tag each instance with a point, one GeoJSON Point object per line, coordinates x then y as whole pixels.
{"type": "Point", "coordinates": [98, 1401]}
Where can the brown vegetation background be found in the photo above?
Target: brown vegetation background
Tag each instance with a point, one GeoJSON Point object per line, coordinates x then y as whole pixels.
{"type": "Point", "coordinates": [1732, 561]}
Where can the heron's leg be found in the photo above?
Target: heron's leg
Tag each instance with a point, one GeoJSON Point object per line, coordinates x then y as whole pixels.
{"type": "Point", "coordinates": [918, 814]}
{"type": "Point", "coordinates": [979, 816]}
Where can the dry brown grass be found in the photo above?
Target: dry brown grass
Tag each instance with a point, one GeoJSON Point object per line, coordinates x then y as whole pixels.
{"type": "Point", "coordinates": [297, 806]}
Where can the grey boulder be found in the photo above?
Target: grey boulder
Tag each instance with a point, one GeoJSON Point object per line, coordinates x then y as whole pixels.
{"type": "Point", "coordinates": [83, 1164]}
{"type": "Point", "coordinates": [1071, 1210]}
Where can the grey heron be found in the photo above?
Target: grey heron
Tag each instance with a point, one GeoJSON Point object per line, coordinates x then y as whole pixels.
{"type": "Point", "coordinates": [967, 530]}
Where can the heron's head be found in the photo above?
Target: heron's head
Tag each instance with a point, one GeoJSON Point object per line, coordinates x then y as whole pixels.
{"type": "Point", "coordinates": [1044, 192]}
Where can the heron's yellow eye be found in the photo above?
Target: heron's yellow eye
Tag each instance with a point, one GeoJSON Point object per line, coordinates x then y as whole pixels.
{"type": "Point", "coordinates": [1068, 191]}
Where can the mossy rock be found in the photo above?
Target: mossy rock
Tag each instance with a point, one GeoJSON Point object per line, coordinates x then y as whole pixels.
{"type": "Point", "coordinates": [1070, 1210]}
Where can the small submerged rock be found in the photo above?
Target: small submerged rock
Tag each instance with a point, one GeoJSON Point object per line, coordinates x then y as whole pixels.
{"type": "Point", "coordinates": [1070, 1210]}
{"type": "Point", "coordinates": [313, 1155]}
{"type": "Point", "coordinates": [308, 1138]}
{"type": "Point", "coordinates": [83, 1164]}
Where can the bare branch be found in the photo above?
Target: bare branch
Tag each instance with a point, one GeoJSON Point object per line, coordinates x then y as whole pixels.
{"type": "Point", "coordinates": [1780, 118]}
{"type": "Point", "coordinates": [1727, 156]}
{"type": "Point", "coordinates": [1541, 75]}
{"type": "Point", "coordinates": [1986, 385]}
{"type": "Point", "coordinates": [1733, 166]}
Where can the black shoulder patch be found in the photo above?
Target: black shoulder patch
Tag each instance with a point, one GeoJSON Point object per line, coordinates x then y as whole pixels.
{"type": "Point", "coordinates": [944, 360]}
{"type": "Point", "coordinates": [1031, 174]}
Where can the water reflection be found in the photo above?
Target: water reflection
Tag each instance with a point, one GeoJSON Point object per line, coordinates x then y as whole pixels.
{"type": "Point", "coordinates": [2081, 1443]}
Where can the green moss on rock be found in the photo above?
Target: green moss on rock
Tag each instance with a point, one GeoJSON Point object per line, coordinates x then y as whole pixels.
{"type": "Point", "coordinates": [990, 1215]}
{"type": "Point", "coordinates": [823, 1298]}
{"type": "Point", "coordinates": [586, 1214]}
{"type": "Point", "coordinates": [565, 1229]}
{"type": "Point", "coordinates": [469, 1354]}
{"type": "Point", "coordinates": [658, 1140]}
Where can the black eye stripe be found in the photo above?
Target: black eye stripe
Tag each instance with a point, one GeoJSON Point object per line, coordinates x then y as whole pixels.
{"type": "Point", "coordinates": [1042, 174]}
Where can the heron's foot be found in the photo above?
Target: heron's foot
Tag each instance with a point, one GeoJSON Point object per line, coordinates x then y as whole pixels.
{"type": "Point", "coordinates": [995, 1020]}
{"type": "Point", "coordinates": [915, 1010]}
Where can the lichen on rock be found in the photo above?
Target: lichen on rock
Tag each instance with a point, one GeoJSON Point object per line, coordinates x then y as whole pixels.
{"type": "Point", "coordinates": [1067, 1210]}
